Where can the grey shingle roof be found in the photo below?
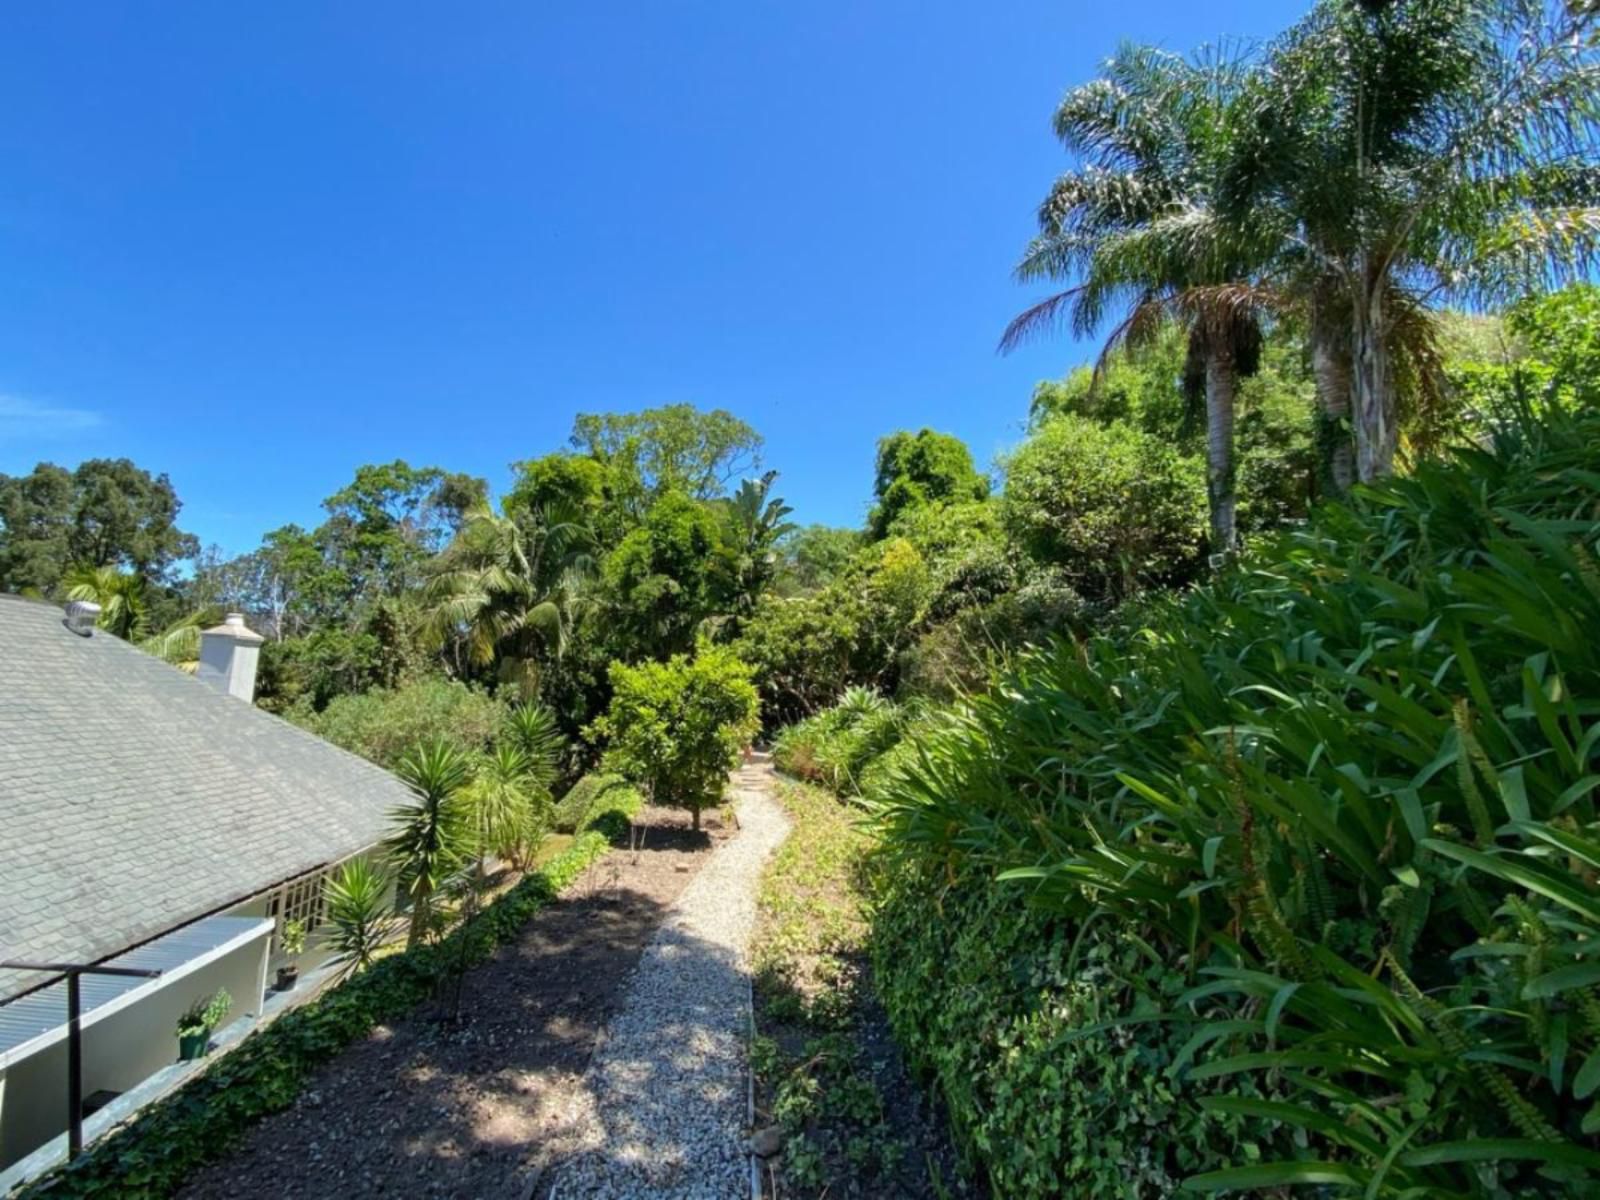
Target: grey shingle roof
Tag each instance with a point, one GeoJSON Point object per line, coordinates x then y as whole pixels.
{"type": "Point", "coordinates": [134, 798]}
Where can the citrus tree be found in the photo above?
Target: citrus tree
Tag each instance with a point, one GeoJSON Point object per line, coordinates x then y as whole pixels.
{"type": "Point", "coordinates": [676, 727]}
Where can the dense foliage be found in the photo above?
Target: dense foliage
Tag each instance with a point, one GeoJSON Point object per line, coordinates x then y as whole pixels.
{"type": "Point", "coordinates": [1117, 509]}
{"type": "Point", "coordinates": [678, 726]}
{"type": "Point", "coordinates": [1340, 802]}
{"type": "Point", "coordinates": [837, 746]}
{"type": "Point", "coordinates": [383, 725]}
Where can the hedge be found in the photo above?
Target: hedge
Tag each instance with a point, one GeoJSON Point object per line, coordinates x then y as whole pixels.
{"type": "Point", "coordinates": [155, 1152]}
{"type": "Point", "coordinates": [574, 808]}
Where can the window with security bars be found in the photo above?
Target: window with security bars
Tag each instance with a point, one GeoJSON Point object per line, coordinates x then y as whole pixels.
{"type": "Point", "coordinates": [299, 900]}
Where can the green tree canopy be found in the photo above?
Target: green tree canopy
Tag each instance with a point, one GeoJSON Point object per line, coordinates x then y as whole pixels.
{"type": "Point", "coordinates": [812, 556]}
{"type": "Point", "coordinates": [667, 576]}
{"type": "Point", "coordinates": [1115, 507]}
{"type": "Point", "coordinates": [921, 468]}
{"type": "Point", "coordinates": [107, 512]}
{"type": "Point", "coordinates": [675, 448]}
{"type": "Point", "coordinates": [677, 726]}
{"type": "Point", "coordinates": [389, 519]}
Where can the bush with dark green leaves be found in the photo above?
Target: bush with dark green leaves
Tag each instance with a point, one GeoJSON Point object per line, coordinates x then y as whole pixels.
{"type": "Point", "coordinates": [918, 469]}
{"type": "Point", "coordinates": [1044, 1037]}
{"type": "Point", "coordinates": [1345, 794]}
{"type": "Point", "coordinates": [573, 809]}
{"type": "Point", "coordinates": [382, 725]}
{"type": "Point", "coordinates": [1116, 508]}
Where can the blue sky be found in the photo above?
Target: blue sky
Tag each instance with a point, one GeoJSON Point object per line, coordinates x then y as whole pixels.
{"type": "Point", "coordinates": [254, 248]}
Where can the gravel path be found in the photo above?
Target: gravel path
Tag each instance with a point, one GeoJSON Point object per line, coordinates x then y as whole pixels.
{"type": "Point", "coordinates": [661, 1110]}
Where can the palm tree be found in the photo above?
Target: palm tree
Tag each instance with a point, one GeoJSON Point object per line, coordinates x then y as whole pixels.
{"type": "Point", "coordinates": [121, 595]}
{"type": "Point", "coordinates": [432, 835]}
{"type": "Point", "coordinates": [1394, 154]}
{"type": "Point", "coordinates": [1136, 225]}
{"type": "Point", "coordinates": [506, 591]}
{"type": "Point", "coordinates": [758, 520]}
{"type": "Point", "coordinates": [535, 732]}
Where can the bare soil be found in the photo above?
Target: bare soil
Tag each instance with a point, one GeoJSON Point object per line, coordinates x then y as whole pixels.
{"type": "Point", "coordinates": [427, 1107]}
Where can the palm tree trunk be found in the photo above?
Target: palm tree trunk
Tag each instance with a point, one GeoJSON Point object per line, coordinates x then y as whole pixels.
{"type": "Point", "coordinates": [1330, 366]}
{"type": "Point", "coordinates": [1222, 381]}
{"type": "Point", "coordinates": [1372, 394]}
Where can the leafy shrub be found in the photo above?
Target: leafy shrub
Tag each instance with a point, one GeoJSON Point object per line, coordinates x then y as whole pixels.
{"type": "Point", "coordinates": [573, 809]}
{"type": "Point", "coordinates": [677, 727]}
{"type": "Point", "coordinates": [1057, 1079]}
{"type": "Point", "coordinates": [1346, 793]}
{"type": "Point", "coordinates": [802, 650]}
{"type": "Point", "coordinates": [834, 747]}
{"type": "Point", "coordinates": [156, 1151]}
{"type": "Point", "coordinates": [919, 469]}
{"type": "Point", "coordinates": [382, 725]}
{"type": "Point", "coordinates": [1117, 508]}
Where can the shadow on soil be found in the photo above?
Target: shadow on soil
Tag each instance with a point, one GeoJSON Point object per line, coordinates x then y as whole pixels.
{"type": "Point", "coordinates": [429, 1107]}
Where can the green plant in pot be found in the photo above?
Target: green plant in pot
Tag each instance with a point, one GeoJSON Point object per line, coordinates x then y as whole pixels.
{"type": "Point", "coordinates": [292, 941]}
{"type": "Point", "coordinates": [197, 1022]}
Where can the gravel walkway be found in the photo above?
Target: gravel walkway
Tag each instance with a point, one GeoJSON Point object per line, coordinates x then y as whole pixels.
{"type": "Point", "coordinates": [661, 1111]}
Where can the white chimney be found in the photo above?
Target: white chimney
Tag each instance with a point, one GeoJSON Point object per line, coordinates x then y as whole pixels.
{"type": "Point", "coordinates": [228, 654]}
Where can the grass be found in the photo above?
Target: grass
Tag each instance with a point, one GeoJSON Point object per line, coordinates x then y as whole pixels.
{"type": "Point", "coordinates": [808, 954]}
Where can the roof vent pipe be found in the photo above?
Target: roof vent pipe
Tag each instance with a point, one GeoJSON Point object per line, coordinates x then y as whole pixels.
{"type": "Point", "coordinates": [81, 617]}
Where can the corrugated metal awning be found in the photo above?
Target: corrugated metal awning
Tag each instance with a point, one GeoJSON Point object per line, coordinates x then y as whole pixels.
{"type": "Point", "coordinates": [31, 1022]}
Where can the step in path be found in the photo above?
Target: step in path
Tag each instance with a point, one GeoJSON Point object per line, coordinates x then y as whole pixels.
{"type": "Point", "coordinates": [661, 1111]}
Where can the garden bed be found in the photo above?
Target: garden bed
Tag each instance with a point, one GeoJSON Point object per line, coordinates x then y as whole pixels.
{"type": "Point", "coordinates": [426, 1107]}
{"type": "Point", "coordinates": [831, 1087]}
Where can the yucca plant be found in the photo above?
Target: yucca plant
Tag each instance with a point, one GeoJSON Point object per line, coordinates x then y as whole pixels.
{"type": "Point", "coordinates": [535, 733]}
{"type": "Point", "coordinates": [510, 807]}
{"type": "Point", "coordinates": [433, 834]}
{"type": "Point", "coordinates": [359, 919]}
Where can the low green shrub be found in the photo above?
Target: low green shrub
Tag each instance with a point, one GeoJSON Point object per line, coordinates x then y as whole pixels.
{"type": "Point", "coordinates": [573, 809]}
{"type": "Point", "coordinates": [383, 724]}
{"type": "Point", "coordinates": [1048, 1044]}
{"type": "Point", "coordinates": [152, 1155]}
{"type": "Point", "coordinates": [838, 745]}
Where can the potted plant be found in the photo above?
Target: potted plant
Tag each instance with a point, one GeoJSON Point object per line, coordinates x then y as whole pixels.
{"type": "Point", "coordinates": [197, 1022]}
{"type": "Point", "coordinates": [293, 943]}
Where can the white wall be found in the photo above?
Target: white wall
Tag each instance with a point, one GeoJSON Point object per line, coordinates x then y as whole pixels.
{"type": "Point", "coordinates": [316, 952]}
{"type": "Point", "coordinates": [120, 1050]}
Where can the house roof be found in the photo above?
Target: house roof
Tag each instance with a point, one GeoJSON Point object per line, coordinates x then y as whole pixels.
{"type": "Point", "coordinates": [135, 798]}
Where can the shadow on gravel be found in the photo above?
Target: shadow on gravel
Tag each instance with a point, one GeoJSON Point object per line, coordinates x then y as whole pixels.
{"type": "Point", "coordinates": [426, 1108]}
{"type": "Point", "coordinates": [669, 1087]}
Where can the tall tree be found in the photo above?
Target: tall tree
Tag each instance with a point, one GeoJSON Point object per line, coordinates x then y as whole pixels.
{"type": "Point", "coordinates": [666, 577]}
{"type": "Point", "coordinates": [758, 521]}
{"type": "Point", "coordinates": [675, 448]}
{"type": "Point", "coordinates": [107, 512]}
{"type": "Point", "coordinates": [921, 468]}
{"type": "Point", "coordinates": [1136, 226]}
{"type": "Point", "coordinates": [1400, 153]}
{"type": "Point", "coordinates": [389, 520]}
{"type": "Point", "coordinates": [505, 591]}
